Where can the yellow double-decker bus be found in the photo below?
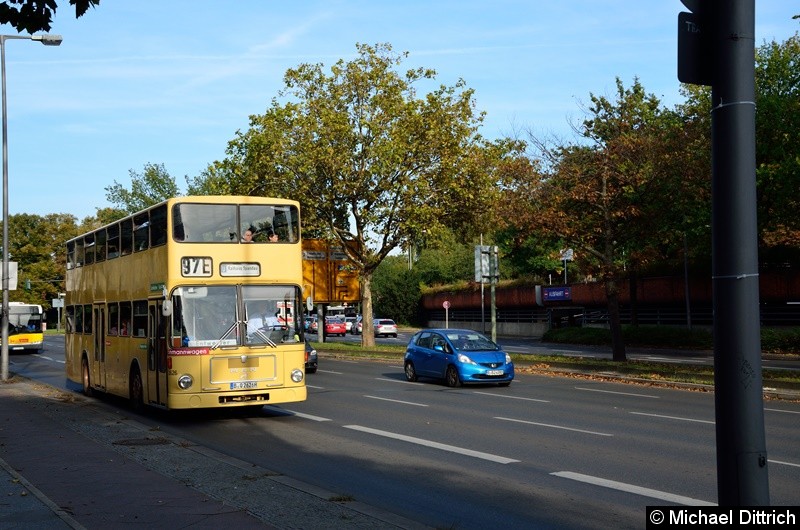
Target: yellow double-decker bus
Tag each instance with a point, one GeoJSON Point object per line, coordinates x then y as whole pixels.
{"type": "Point", "coordinates": [25, 327]}
{"type": "Point", "coordinates": [192, 303]}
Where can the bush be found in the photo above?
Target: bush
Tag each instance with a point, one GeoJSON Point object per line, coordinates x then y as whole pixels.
{"type": "Point", "coordinates": [773, 340]}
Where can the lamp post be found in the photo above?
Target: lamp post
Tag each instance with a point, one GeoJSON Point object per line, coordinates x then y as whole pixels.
{"type": "Point", "coordinates": [47, 40]}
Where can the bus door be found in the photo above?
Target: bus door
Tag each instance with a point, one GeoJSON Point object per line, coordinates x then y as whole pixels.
{"type": "Point", "coordinates": [98, 368]}
{"type": "Point", "coordinates": [156, 355]}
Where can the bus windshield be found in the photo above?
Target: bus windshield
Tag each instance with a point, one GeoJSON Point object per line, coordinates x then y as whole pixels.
{"type": "Point", "coordinates": [230, 315]}
{"type": "Point", "coordinates": [24, 319]}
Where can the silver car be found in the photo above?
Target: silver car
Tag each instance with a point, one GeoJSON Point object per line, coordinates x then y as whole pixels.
{"type": "Point", "coordinates": [385, 327]}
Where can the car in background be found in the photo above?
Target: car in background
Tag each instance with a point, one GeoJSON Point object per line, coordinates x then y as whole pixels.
{"type": "Point", "coordinates": [459, 356]}
{"type": "Point", "coordinates": [349, 322]}
{"type": "Point", "coordinates": [357, 327]}
{"type": "Point", "coordinates": [335, 326]}
{"type": "Point", "coordinates": [311, 359]}
{"type": "Point", "coordinates": [385, 326]}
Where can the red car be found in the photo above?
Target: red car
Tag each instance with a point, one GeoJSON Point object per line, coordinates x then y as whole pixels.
{"type": "Point", "coordinates": [335, 326]}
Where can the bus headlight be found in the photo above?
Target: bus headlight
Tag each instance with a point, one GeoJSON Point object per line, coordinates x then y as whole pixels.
{"type": "Point", "coordinates": [297, 375]}
{"type": "Point", "coordinates": [185, 382]}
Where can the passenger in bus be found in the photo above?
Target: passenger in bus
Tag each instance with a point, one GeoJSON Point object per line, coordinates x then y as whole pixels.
{"type": "Point", "coordinates": [247, 236]}
{"type": "Point", "coordinates": [272, 236]}
{"type": "Point", "coordinates": [123, 330]}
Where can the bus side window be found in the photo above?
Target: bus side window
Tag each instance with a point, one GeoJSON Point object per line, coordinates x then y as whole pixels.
{"type": "Point", "coordinates": [100, 245]}
{"type": "Point", "coordinates": [125, 318]}
{"type": "Point", "coordinates": [88, 248]}
{"type": "Point", "coordinates": [158, 225]}
{"type": "Point", "coordinates": [113, 241]}
{"type": "Point", "coordinates": [113, 319]}
{"type": "Point", "coordinates": [70, 319]}
{"type": "Point", "coordinates": [140, 318]}
{"type": "Point", "coordinates": [70, 254]}
{"type": "Point", "coordinates": [141, 232]}
{"type": "Point", "coordinates": [126, 236]}
{"type": "Point", "coordinates": [87, 319]}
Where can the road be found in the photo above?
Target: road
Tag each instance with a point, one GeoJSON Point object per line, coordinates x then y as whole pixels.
{"type": "Point", "coordinates": [545, 452]}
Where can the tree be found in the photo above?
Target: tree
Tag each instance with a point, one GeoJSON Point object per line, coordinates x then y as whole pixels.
{"type": "Point", "coordinates": [37, 15]}
{"type": "Point", "coordinates": [372, 164]}
{"type": "Point", "coordinates": [37, 244]}
{"type": "Point", "coordinates": [599, 197]}
{"type": "Point", "coordinates": [778, 147]}
{"type": "Point", "coordinates": [149, 188]}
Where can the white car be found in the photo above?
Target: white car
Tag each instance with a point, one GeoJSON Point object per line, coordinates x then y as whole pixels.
{"type": "Point", "coordinates": [385, 326]}
{"type": "Point", "coordinates": [349, 322]}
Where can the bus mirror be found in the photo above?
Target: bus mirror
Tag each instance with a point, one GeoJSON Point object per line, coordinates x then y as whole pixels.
{"type": "Point", "coordinates": [166, 308]}
{"type": "Point", "coordinates": [309, 303]}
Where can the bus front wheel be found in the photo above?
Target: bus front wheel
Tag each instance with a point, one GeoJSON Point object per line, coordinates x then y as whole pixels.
{"type": "Point", "coordinates": [85, 377]}
{"type": "Point", "coordinates": [136, 390]}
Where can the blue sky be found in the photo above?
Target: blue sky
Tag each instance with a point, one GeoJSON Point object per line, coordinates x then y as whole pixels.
{"type": "Point", "coordinates": [171, 81]}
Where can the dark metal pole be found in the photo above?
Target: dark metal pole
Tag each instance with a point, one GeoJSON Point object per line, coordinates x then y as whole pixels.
{"type": "Point", "coordinates": [741, 447]}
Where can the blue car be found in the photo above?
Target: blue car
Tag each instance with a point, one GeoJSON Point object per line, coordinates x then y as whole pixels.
{"type": "Point", "coordinates": [459, 356]}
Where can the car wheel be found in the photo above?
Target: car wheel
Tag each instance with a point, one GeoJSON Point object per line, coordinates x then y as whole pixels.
{"type": "Point", "coordinates": [394, 335]}
{"type": "Point", "coordinates": [85, 377]}
{"type": "Point", "coordinates": [453, 380]}
{"type": "Point", "coordinates": [411, 373]}
{"type": "Point", "coordinates": [136, 391]}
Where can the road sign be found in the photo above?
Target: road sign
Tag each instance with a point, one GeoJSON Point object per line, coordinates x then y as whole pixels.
{"type": "Point", "coordinates": [694, 50]}
{"type": "Point", "coordinates": [446, 304]}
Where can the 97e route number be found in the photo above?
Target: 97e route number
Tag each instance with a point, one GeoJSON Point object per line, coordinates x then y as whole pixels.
{"type": "Point", "coordinates": [195, 267]}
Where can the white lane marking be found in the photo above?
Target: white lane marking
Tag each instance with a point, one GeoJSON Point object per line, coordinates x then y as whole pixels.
{"type": "Point", "coordinates": [386, 379]}
{"type": "Point", "coordinates": [434, 445]}
{"type": "Point", "coordinates": [397, 401]}
{"type": "Point", "coordinates": [783, 463]}
{"type": "Point", "coordinates": [786, 411]}
{"type": "Point", "coordinates": [315, 387]}
{"type": "Point", "coordinates": [553, 426]}
{"type": "Point", "coordinates": [630, 488]}
{"type": "Point", "coordinates": [512, 397]}
{"type": "Point", "coordinates": [301, 415]}
{"type": "Point", "coordinates": [671, 417]}
{"type": "Point", "coordinates": [329, 371]}
{"type": "Point", "coordinates": [613, 392]}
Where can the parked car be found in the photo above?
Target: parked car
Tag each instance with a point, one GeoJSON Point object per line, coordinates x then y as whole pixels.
{"type": "Point", "coordinates": [335, 326]}
{"type": "Point", "coordinates": [308, 322]}
{"type": "Point", "coordinates": [357, 327]}
{"type": "Point", "coordinates": [385, 326]}
{"type": "Point", "coordinates": [349, 322]}
{"type": "Point", "coordinates": [311, 359]}
{"type": "Point", "coordinates": [459, 356]}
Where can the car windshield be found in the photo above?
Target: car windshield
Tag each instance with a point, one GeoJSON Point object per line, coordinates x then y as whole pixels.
{"type": "Point", "coordinates": [472, 342]}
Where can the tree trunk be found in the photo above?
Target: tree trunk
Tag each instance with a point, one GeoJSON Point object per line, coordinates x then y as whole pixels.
{"type": "Point", "coordinates": [367, 325]}
{"type": "Point", "coordinates": [614, 321]}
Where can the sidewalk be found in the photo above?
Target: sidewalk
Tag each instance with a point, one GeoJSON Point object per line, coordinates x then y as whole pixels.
{"type": "Point", "coordinates": [68, 462]}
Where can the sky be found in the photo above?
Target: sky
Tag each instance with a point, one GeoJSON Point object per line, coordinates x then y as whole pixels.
{"type": "Point", "coordinates": [171, 82]}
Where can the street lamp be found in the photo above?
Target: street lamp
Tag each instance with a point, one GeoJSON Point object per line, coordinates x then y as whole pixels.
{"type": "Point", "coordinates": [47, 40]}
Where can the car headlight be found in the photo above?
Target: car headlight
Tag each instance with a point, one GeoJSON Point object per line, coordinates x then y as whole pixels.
{"type": "Point", "coordinates": [508, 359]}
{"type": "Point", "coordinates": [185, 382]}
{"type": "Point", "coordinates": [297, 375]}
{"type": "Point", "coordinates": [463, 359]}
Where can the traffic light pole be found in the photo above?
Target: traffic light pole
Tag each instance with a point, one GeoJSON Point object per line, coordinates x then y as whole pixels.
{"type": "Point", "coordinates": [741, 447]}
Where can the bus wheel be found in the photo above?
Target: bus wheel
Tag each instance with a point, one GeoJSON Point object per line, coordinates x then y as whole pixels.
{"type": "Point", "coordinates": [136, 390]}
{"type": "Point", "coordinates": [87, 384]}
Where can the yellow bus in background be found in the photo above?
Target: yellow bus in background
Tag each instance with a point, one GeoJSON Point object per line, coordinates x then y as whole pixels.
{"type": "Point", "coordinates": [25, 327]}
{"type": "Point", "coordinates": [191, 303]}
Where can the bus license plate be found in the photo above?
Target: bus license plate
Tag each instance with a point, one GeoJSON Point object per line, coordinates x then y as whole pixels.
{"type": "Point", "coordinates": [244, 385]}
{"type": "Point", "coordinates": [494, 372]}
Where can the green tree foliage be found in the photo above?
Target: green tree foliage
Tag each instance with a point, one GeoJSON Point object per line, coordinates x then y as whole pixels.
{"type": "Point", "coordinates": [778, 148]}
{"type": "Point", "coordinates": [396, 291]}
{"type": "Point", "coordinates": [38, 245]}
{"type": "Point", "coordinates": [373, 164]}
{"type": "Point", "coordinates": [148, 188]}
{"type": "Point", "coordinates": [31, 16]}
